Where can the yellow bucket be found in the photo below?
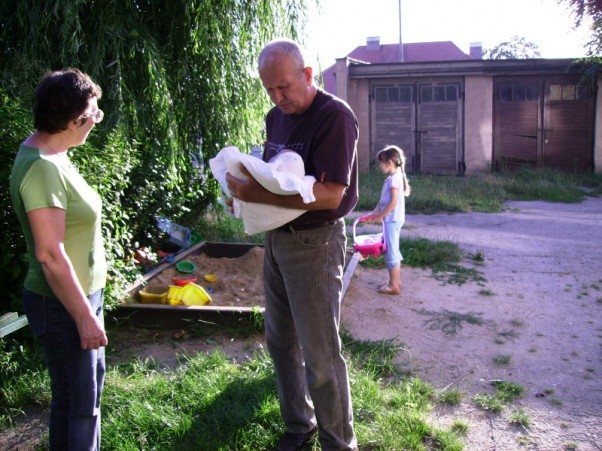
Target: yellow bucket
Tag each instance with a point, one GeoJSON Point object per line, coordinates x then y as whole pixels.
{"type": "Point", "coordinates": [153, 294]}
{"type": "Point", "coordinates": [189, 294]}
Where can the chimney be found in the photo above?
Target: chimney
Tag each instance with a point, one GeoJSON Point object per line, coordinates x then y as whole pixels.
{"type": "Point", "coordinates": [476, 50]}
{"type": "Point", "coordinates": [373, 43]}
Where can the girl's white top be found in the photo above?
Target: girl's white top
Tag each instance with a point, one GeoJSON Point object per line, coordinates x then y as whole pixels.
{"type": "Point", "coordinates": [395, 180]}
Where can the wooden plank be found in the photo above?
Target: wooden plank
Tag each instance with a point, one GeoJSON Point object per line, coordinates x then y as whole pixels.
{"type": "Point", "coordinates": [11, 322]}
{"type": "Point", "coordinates": [8, 318]}
{"type": "Point", "coordinates": [349, 272]}
{"type": "Point", "coordinates": [198, 308]}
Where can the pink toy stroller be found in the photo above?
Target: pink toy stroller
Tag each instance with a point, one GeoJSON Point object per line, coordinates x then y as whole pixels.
{"type": "Point", "coordinates": [368, 245]}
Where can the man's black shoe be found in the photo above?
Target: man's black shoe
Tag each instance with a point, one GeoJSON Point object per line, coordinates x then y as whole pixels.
{"type": "Point", "coordinates": [295, 442]}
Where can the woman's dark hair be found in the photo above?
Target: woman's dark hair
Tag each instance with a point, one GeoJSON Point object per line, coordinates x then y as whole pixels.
{"type": "Point", "coordinates": [60, 97]}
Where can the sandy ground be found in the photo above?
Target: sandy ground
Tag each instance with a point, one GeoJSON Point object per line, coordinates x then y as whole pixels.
{"type": "Point", "coordinates": [539, 307]}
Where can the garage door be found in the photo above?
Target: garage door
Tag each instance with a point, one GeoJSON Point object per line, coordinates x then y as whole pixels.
{"type": "Point", "coordinates": [424, 119]}
{"type": "Point", "coordinates": [439, 126]}
{"type": "Point", "coordinates": [543, 122]}
{"type": "Point", "coordinates": [394, 121]}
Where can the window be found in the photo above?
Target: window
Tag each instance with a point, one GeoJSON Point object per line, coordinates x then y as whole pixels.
{"type": "Point", "coordinates": [393, 94]}
{"type": "Point", "coordinates": [517, 92]}
{"type": "Point", "coordinates": [380, 94]}
{"type": "Point", "coordinates": [405, 93]}
{"type": "Point", "coordinates": [568, 92]}
{"type": "Point", "coordinates": [439, 93]}
{"type": "Point", "coordinates": [384, 94]}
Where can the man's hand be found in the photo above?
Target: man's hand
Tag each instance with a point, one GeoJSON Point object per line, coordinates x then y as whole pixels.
{"type": "Point", "coordinates": [247, 190]}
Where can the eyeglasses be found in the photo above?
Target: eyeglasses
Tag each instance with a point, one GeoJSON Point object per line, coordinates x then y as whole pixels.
{"type": "Point", "coordinates": [96, 117]}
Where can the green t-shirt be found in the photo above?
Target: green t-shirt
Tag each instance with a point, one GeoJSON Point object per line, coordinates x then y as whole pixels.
{"type": "Point", "coordinates": [39, 181]}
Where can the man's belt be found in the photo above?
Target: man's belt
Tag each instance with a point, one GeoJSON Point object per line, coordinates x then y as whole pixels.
{"type": "Point", "coordinates": [297, 227]}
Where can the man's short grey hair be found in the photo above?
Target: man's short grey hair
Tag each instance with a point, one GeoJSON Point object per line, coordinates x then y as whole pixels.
{"type": "Point", "coordinates": [277, 47]}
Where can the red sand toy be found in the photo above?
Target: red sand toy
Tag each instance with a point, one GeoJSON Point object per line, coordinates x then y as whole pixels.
{"type": "Point", "coordinates": [368, 245]}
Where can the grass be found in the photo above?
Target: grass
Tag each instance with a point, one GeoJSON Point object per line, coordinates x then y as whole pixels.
{"type": "Point", "coordinates": [502, 359]}
{"type": "Point", "coordinates": [520, 417]}
{"type": "Point", "coordinates": [209, 401]}
{"type": "Point", "coordinates": [441, 256]}
{"type": "Point", "coordinates": [450, 323]}
{"type": "Point", "coordinates": [484, 192]}
{"type": "Point", "coordinates": [505, 392]}
{"type": "Point", "coordinates": [450, 397]}
{"type": "Point", "coordinates": [460, 427]}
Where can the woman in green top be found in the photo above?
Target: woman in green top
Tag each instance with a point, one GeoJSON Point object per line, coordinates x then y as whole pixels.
{"type": "Point", "coordinates": [60, 215]}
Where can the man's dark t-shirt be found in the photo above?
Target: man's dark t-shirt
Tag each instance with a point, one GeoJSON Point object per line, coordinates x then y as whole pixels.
{"type": "Point", "coordinates": [326, 138]}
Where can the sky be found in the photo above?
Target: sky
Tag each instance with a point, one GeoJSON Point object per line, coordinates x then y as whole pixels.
{"type": "Point", "coordinates": [340, 26]}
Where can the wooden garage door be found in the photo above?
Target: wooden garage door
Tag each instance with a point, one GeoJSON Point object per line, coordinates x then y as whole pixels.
{"type": "Point", "coordinates": [439, 130]}
{"type": "Point", "coordinates": [424, 119]}
{"type": "Point", "coordinates": [393, 120]}
{"type": "Point", "coordinates": [543, 122]}
{"type": "Point", "coordinates": [568, 125]}
{"type": "Point", "coordinates": [516, 122]}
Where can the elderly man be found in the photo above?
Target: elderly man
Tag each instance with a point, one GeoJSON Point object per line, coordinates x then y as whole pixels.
{"type": "Point", "coordinates": [304, 259]}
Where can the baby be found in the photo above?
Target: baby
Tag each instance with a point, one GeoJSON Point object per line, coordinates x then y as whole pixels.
{"type": "Point", "coordinates": [283, 174]}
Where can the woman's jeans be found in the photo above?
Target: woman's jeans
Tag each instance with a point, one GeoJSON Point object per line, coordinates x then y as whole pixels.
{"type": "Point", "coordinates": [76, 375]}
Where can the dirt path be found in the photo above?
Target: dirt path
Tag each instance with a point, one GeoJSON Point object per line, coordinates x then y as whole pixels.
{"type": "Point", "coordinates": [540, 308]}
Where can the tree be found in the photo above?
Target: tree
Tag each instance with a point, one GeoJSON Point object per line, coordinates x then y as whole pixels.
{"type": "Point", "coordinates": [515, 48]}
{"type": "Point", "coordinates": [593, 9]}
{"type": "Point", "coordinates": [179, 81]}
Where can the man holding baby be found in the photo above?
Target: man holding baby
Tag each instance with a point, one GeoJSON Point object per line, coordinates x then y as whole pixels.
{"type": "Point", "coordinates": [304, 259]}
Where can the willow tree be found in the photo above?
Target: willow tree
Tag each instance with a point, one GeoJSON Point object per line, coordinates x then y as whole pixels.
{"type": "Point", "coordinates": [593, 10]}
{"type": "Point", "coordinates": [179, 82]}
{"type": "Point", "coordinates": [517, 47]}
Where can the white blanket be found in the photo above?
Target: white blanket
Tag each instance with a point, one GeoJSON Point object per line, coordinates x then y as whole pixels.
{"type": "Point", "coordinates": [284, 174]}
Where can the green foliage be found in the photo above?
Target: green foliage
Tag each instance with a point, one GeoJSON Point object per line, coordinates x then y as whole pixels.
{"type": "Point", "coordinates": [375, 357]}
{"type": "Point", "coordinates": [485, 192]}
{"type": "Point", "coordinates": [516, 47]}
{"type": "Point", "coordinates": [206, 400]}
{"type": "Point", "coordinates": [423, 253]}
{"type": "Point", "coordinates": [593, 10]}
{"type": "Point", "coordinates": [450, 322]}
{"type": "Point", "coordinates": [450, 397]}
{"type": "Point", "coordinates": [508, 391]}
{"type": "Point", "coordinates": [488, 402]}
{"type": "Point", "coordinates": [460, 427]}
{"type": "Point", "coordinates": [179, 83]}
{"type": "Point", "coordinates": [505, 392]}
{"type": "Point", "coordinates": [12, 246]}
{"type": "Point", "coordinates": [23, 379]}
{"type": "Point", "coordinates": [217, 225]}
{"type": "Point", "coordinates": [211, 401]}
{"type": "Point", "coordinates": [520, 417]}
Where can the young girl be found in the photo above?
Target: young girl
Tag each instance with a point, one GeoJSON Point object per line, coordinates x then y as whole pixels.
{"type": "Point", "coordinates": [391, 211]}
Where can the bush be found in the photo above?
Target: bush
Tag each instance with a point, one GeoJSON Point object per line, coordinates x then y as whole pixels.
{"type": "Point", "coordinates": [16, 126]}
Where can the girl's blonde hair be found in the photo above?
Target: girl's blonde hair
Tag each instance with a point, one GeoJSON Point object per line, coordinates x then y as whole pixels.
{"type": "Point", "coordinates": [396, 155]}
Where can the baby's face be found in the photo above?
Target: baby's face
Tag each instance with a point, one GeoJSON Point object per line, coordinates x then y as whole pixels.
{"type": "Point", "coordinates": [288, 161]}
